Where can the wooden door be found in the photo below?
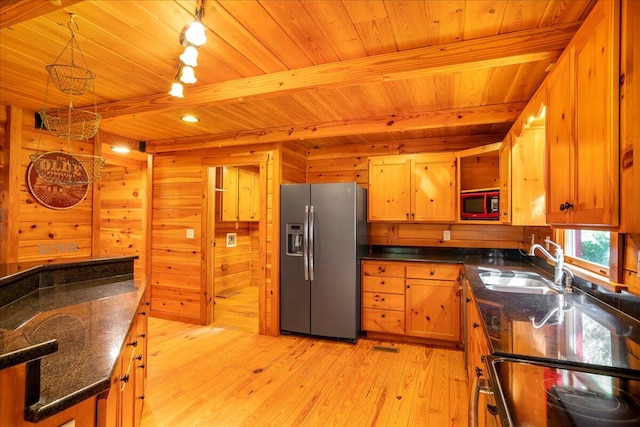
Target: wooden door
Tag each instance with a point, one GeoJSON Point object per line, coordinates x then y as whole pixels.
{"type": "Point", "coordinates": [596, 119]}
{"type": "Point", "coordinates": [559, 143]}
{"type": "Point", "coordinates": [433, 309]}
{"type": "Point", "coordinates": [433, 188]}
{"type": "Point", "coordinates": [388, 198]}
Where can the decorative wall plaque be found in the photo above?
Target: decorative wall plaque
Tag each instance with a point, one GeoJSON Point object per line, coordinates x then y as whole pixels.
{"type": "Point", "coordinates": [56, 196]}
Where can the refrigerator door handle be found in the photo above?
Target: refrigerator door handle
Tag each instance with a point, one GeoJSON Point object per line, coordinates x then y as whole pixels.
{"type": "Point", "coordinates": [311, 236]}
{"type": "Point", "coordinates": [305, 243]}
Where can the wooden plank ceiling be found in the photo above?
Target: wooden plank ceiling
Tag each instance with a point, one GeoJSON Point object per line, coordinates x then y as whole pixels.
{"type": "Point", "coordinates": [320, 72]}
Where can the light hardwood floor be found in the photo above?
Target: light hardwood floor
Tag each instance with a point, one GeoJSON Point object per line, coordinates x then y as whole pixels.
{"type": "Point", "coordinates": [227, 375]}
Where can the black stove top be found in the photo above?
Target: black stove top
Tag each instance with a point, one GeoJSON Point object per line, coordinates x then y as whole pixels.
{"type": "Point", "coordinates": [550, 394]}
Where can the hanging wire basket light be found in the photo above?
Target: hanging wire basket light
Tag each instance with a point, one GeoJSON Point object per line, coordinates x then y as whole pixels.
{"type": "Point", "coordinates": [70, 123]}
{"type": "Point", "coordinates": [67, 169]}
{"type": "Point", "coordinates": [68, 77]}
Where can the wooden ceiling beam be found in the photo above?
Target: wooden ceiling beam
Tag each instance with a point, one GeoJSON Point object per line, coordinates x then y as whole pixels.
{"type": "Point", "coordinates": [17, 11]}
{"type": "Point", "coordinates": [505, 49]}
{"type": "Point", "coordinates": [430, 120]}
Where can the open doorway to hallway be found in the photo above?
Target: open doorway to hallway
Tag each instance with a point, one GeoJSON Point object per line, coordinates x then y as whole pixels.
{"type": "Point", "coordinates": [235, 264]}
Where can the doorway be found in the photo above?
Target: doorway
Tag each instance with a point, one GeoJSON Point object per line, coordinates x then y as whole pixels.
{"type": "Point", "coordinates": [235, 225]}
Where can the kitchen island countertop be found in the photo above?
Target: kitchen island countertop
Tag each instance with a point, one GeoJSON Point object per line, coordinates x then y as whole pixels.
{"type": "Point", "coordinates": [76, 329]}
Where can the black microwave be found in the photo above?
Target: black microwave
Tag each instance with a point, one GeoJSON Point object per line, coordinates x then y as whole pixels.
{"type": "Point", "coordinates": [480, 204]}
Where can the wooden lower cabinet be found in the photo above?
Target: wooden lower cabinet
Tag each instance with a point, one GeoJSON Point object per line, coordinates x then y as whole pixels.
{"type": "Point", "coordinates": [476, 349]}
{"type": "Point", "coordinates": [122, 404]}
{"type": "Point", "coordinates": [383, 297]}
{"type": "Point", "coordinates": [412, 300]}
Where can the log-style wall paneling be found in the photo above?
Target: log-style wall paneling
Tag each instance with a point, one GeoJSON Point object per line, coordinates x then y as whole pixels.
{"type": "Point", "coordinates": [122, 212]}
{"type": "Point", "coordinates": [176, 280]}
{"type": "Point", "coordinates": [110, 220]}
{"type": "Point", "coordinates": [187, 272]}
{"type": "Point", "coordinates": [43, 233]}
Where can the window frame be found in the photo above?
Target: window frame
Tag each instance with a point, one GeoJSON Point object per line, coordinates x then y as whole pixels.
{"type": "Point", "coordinates": [605, 274]}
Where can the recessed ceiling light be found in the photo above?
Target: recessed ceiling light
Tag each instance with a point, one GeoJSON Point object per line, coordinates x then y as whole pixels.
{"type": "Point", "coordinates": [190, 119]}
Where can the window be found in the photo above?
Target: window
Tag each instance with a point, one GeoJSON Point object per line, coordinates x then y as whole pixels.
{"type": "Point", "coordinates": [588, 249]}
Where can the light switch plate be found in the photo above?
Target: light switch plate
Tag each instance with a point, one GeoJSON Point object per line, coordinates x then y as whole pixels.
{"type": "Point", "coordinates": [190, 233]}
{"type": "Point", "coordinates": [446, 235]}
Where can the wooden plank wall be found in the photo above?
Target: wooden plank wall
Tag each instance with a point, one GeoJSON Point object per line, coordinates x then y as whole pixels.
{"type": "Point", "coordinates": [178, 272]}
{"type": "Point", "coordinates": [47, 234]}
{"type": "Point", "coordinates": [113, 227]}
{"type": "Point", "coordinates": [122, 200]}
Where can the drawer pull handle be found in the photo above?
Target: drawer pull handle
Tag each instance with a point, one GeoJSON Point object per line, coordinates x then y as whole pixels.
{"type": "Point", "coordinates": [382, 282]}
{"type": "Point", "coordinates": [432, 272]}
{"type": "Point", "coordinates": [125, 379]}
{"type": "Point", "coordinates": [381, 299]}
{"type": "Point", "coordinates": [468, 299]}
{"type": "Point", "coordinates": [492, 409]}
{"type": "Point", "coordinates": [139, 357]}
{"type": "Point", "coordinates": [475, 325]}
{"type": "Point", "coordinates": [133, 343]}
{"type": "Point", "coordinates": [384, 315]}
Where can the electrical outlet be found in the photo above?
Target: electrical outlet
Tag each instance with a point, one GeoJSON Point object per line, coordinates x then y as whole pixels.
{"type": "Point", "coordinates": [446, 235]}
{"type": "Point", "coordinates": [191, 233]}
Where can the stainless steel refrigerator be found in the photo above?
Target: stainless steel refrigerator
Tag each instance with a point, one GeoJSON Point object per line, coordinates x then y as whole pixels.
{"type": "Point", "coordinates": [323, 231]}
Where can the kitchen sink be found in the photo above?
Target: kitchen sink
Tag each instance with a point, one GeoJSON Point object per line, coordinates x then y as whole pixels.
{"type": "Point", "coordinates": [516, 282]}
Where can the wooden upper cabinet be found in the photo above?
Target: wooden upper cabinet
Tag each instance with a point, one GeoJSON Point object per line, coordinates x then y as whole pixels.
{"type": "Point", "coordinates": [414, 188]}
{"type": "Point", "coordinates": [241, 198]}
{"type": "Point", "coordinates": [433, 183]}
{"type": "Point", "coordinates": [582, 124]}
{"type": "Point", "coordinates": [389, 188]}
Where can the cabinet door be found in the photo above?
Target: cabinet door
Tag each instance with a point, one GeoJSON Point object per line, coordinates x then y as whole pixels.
{"type": "Point", "coordinates": [433, 309]}
{"type": "Point", "coordinates": [254, 209]}
{"type": "Point", "coordinates": [433, 188]}
{"type": "Point", "coordinates": [505, 162]}
{"type": "Point", "coordinates": [389, 189]}
{"type": "Point", "coordinates": [230, 194]}
{"type": "Point", "coordinates": [559, 143]}
{"type": "Point", "coordinates": [527, 178]}
{"type": "Point", "coordinates": [245, 197]}
{"type": "Point", "coordinates": [596, 120]}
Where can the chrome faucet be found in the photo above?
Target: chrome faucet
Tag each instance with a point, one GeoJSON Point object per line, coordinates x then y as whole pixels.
{"type": "Point", "coordinates": [560, 270]}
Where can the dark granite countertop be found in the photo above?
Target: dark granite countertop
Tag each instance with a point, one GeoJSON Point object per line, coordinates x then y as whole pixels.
{"type": "Point", "coordinates": [579, 328]}
{"type": "Point", "coordinates": [82, 324]}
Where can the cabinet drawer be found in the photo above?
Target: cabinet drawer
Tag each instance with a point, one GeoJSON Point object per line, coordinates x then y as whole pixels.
{"type": "Point", "coordinates": [434, 271]}
{"type": "Point", "coordinates": [392, 285]}
{"type": "Point", "coordinates": [387, 321]}
{"type": "Point", "coordinates": [383, 301]}
{"type": "Point", "coordinates": [381, 268]}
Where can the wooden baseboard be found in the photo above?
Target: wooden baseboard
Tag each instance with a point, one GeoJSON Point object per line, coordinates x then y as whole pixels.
{"type": "Point", "coordinates": [412, 340]}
